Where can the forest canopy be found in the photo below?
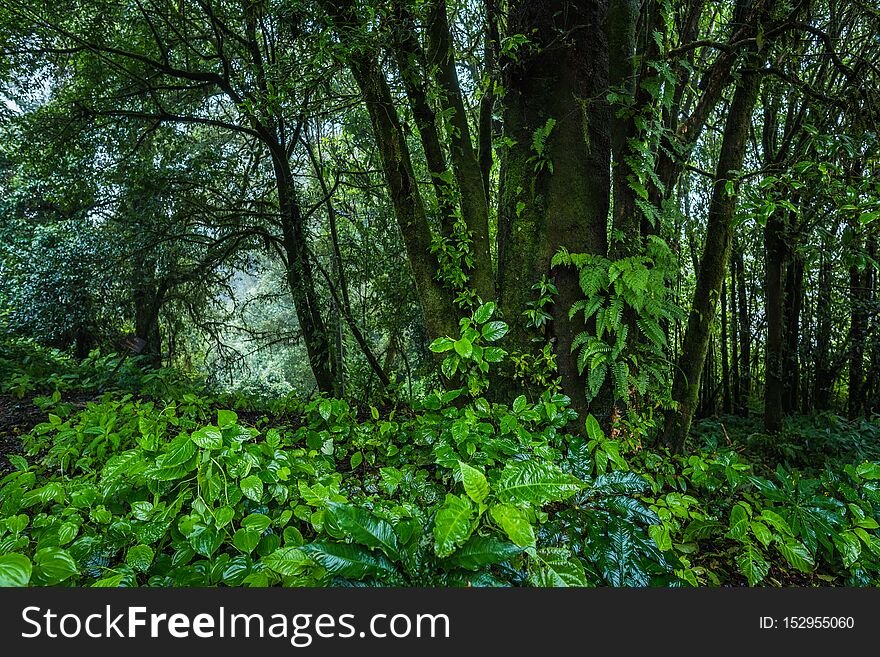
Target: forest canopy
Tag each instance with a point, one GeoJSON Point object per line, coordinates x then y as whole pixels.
{"type": "Point", "coordinates": [439, 292]}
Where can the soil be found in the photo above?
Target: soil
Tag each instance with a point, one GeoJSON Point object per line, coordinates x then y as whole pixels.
{"type": "Point", "coordinates": [17, 417]}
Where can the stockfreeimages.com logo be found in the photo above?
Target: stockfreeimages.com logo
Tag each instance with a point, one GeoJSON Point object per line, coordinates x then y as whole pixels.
{"type": "Point", "coordinates": [300, 629]}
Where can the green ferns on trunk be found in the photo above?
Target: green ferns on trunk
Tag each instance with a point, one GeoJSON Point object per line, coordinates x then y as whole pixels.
{"type": "Point", "coordinates": [620, 294]}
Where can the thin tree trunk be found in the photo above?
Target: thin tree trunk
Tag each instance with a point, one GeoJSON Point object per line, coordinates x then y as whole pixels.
{"type": "Point", "coordinates": [745, 330]}
{"type": "Point", "coordinates": [725, 362]}
{"type": "Point", "coordinates": [774, 246]}
{"type": "Point", "coordinates": [713, 265]}
{"type": "Point", "coordinates": [465, 164]}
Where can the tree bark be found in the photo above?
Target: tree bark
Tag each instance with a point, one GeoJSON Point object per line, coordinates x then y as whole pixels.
{"type": "Point", "coordinates": [465, 164]}
{"type": "Point", "coordinates": [774, 267]}
{"type": "Point", "coordinates": [560, 197]}
{"type": "Point", "coordinates": [713, 265]}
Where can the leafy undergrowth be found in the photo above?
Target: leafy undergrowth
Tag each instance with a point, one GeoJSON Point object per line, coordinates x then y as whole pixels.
{"type": "Point", "coordinates": [172, 486]}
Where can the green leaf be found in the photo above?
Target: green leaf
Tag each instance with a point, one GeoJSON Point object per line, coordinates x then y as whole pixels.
{"type": "Point", "coordinates": [140, 557]}
{"type": "Point", "coordinates": [440, 345]}
{"type": "Point", "coordinates": [869, 470]}
{"type": "Point", "coordinates": [847, 543]}
{"type": "Point", "coordinates": [762, 532]}
{"type": "Point", "coordinates": [797, 555]}
{"type": "Point", "coordinates": [325, 409]}
{"type": "Point", "coordinates": [463, 347]}
{"type": "Point", "coordinates": [356, 459]}
{"type": "Point", "coordinates": [226, 419]}
{"type": "Point", "coordinates": [367, 529]}
{"type": "Point", "coordinates": [52, 565]}
{"type": "Point", "coordinates": [15, 570]}
{"type": "Point", "coordinates": [348, 560]}
{"type": "Point", "coordinates": [739, 523]}
{"type": "Point", "coordinates": [515, 524]}
{"type": "Point", "coordinates": [481, 551]}
{"type": "Point", "coordinates": [207, 541]}
{"type": "Point", "coordinates": [594, 431]}
{"type": "Point", "coordinates": [288, 561]}
{"type": "Point", "coordinates": [223, 516]}
{"type": "Point", "coordinates": [452, 524]}
{"type": "Point", "coordinates": [484, 313]}
{"type": "Point", "coordinates": [475, 484]}
{"type": "Point", "coordinates": [660, 534]}
{"type": "Point", "coordinates": [494, 331]}
{"type": "Point", "coordinates": [535, 482]}
{"type": "Point", "coordinates": [246, 540]}
{"type": "Point", "coordinates": [777, 521]}
{"type": "Point", "coordinates": [557, 567]}
{"type": "Point", "coordinates": [259, 522]}
{"type": "Point", "coordinates": [752, 564]}
{"type": "Point", "coordinates": [252, 487]}
{"type": "Point", "coordinates": [208, 438]}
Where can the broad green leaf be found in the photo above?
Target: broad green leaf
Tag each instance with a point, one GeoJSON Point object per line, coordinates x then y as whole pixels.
{"type": "Point", "coordinates": [778, 522]}
{"type": "Point", "coordinates": [259, 522]}
{"type": "Point", "coordinates": [208, 438]}
{"type": "Point", "coordinates": [440, 345]}
{"type": "Point", "coordinates": [15, 570]}
{"type": "Point", "coordinates": [463, 347]}
{"type": "Point", "coordinates": [494, 331]}
{"type": "Point", "coordinates": [140, 557]}
{"type": "Point", "coordinates": [557, 567]}
{"type": "Point", "coordinates": [739, 523]}
{"type": "Point", "coordinates": [53, 565]}
{"type": "Point", "coordinates": [594, 431]}
{"type": "Point", "coordinates": [660, 534]}
{"type": "Point", "coordinates": [367, 529]}
{"type": "Point", "coordinates": [474, 481]}
{"type": "Point", "coordinates": [515, 524]}
{"type": "Point", "coordinates": [452, 524]}
{"type": "Point", "coordinates": [752, 564]}
{"type": "Point", "coordinates": [484, 313]}
{"type": "Point", "coordinates": [762, 532]}
{"type": "Point", "coordinates": [796, 554]}
{"type": "Point", "coordinates": [207, 541]}
{"type": "Point", "coordinates": [481, 551]}
{"type": "Point", "coordinates": [325, 409]}
{"type": "Point", "coordinates": [223, 516]}
{"type": "Point", "coordinates": [869, 470]}
{"type": "Point", "coordinates": [847, 543]}
{"type": "Point", "coordinates": [252, 487]}
{"type": "Point", "coordinates": [348, 560]}
{"type": "Point", "coordinates": [226, 418]}
{"type": "Point", "coordinates": [246, 540]}
{"type": "Point", "coordinates": [289, 561]}
{"type": "Point", "coordinates": [535, 482]}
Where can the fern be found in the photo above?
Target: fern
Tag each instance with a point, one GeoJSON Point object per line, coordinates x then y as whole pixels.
{"type": "Point", "coordinates": [638, 287]}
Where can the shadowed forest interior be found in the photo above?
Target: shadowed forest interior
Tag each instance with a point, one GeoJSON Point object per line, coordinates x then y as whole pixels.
{"type": "Point", "coordinates": [439, 292]}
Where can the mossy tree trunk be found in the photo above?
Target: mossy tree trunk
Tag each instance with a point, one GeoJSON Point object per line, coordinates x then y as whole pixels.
{"type": "Point", "coordinates": [560, 196]}
{"type": "Point", "coordinates": [713, 265]}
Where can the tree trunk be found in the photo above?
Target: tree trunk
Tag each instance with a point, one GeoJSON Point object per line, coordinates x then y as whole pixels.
{"type": "Point", "coordinates": [558, 197]}
{"type": "Point", "coordinates": [726, 404]}
{"type": "Point", "coordinates": [713, 265]}
{"type": "Point", "coordinates": [774, 249]}
{"type": "Point", "coordinates": [301, 280]}
{"type": "Point", "coordinates": [745, 331]}
{"type": "Point", "coordinates": [794, 293]}
{"type": "Point", "coordinates": [465, 164]}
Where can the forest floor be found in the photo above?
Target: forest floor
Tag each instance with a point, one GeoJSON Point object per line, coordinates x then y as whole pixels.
{"type": "Point", "coordinates": [17, 417]}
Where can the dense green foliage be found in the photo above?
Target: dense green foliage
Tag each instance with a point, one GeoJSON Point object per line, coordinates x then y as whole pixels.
{"type": "Point", "coordinates": [174, 486]}
{"type": "Point", "coordinates": [439, 292]}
